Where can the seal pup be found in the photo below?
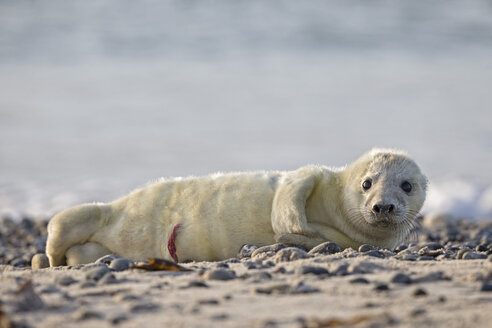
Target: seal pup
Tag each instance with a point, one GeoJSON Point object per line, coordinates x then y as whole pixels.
{"type": "Point", "coordinates": [374, 200]}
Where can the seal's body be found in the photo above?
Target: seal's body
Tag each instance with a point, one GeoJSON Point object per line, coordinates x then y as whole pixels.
{"type": "Point", "coordinates": [211, 217]}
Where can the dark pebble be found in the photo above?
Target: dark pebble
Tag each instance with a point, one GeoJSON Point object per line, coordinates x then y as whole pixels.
{"type": "Point", "coordinates": [325, 248]}
{"type": "Point", "coordinates": [143, 307]}
{"type": "Point", "coordinates": [419, 292]}
{"type": "Point", "coordinates": [481, 248]}
{"type": "Point", "coordinates": [377, 254]}
{"type": "Point", "coordinates": [474, 256]}
{"type": "Point", "coordinates": [219, 274]}
{"type": "Point", "coordinates": [417, 312]}
{"type": "Point", "coordinates": [249, 265]}
{"type": "Point", "coordinates": [359, 281]}
{"type": "Point", "coordinates": [426, 258]}
{"type": "Point", "coordinates": [433, 246]}
{"type": "Point", "coordinates": [401, 278]}
{"type": "Point", "coordinates": [486, 287]}
{"type": "Point", "coordinates": [211, 301]}
{"type": "Point", "coordinates": [86, 315]}
{"type": "Point", "coordinates": [222, 265]}
{"type": "Point", "coordinates": [197, 283]}
{"type": "Point", "coordinates": [117, 319]}
{"type": "Point", "coordinates": [381, 287]}
{"type": "Point", "coordinates": [311, 269]}
{"type": "Point", "coordinates": [366, 248]}
{"type": "Point", "coordinates": [400, 248]}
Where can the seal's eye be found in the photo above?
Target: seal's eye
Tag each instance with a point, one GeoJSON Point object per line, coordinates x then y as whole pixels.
{"type": "Point", "coordinates": [366, 184]}
{"type": "Point", "coordinates": [406, 186]}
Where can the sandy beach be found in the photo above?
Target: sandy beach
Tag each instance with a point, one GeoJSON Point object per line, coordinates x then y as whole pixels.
{"type": "Point", "coordinates": [443, 280]}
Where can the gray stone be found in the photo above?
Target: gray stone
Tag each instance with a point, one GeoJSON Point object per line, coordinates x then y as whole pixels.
{"type": "Point", "coordinates": [246, 251]}
{"type": "Point", "coordinates": [426, 258]}
{"type": "Point", "coordinates": [474, 256]}
{"type": "Point", "coordinates": [120, 264]}
{"type": "Point", "coordinates": [381, 287]}
{"type": "Point", "coordinates": [250, 265]}
{"type": "Point", "coordinates": [401, 278]}
{"type": "Point", "coordinates": [117, 319]}
{"type": "Point", "coordinates": [143, 307]}
{"type": "Point", "coordinates": [269, 250]}
{"type": "Point", "coordinates": [304, 289]}
{"type": "Point", "coordinates": [196, 283]}
{"type": "Point", "coordinates": [366, 248]}
{"type": "Point", "coordinates": [97, 273]}
{"type": "Point", "coordinates": [359, 280]}
{"type": "Point", "coordinates": [325, 248]}
{"type": "Point", "coordinates": [65, 281]}
{"type": "Point", "coordinates": [108, 279]}
{"type": "Point", "coordinates": [209, 301]}
{"type": "Point", "coordinates": [107, 259]}
{"type": "Point", "coordinates": [407, 257]}
{"type": "Point", "coordinates": [219, 274]}
{"type": "Point", "coordinates": [305, 269]}
{"type": "Point", "coordinates": [486, 287]}
{"type": "Point", "coordinates": [290, 254]}
{"type": "Point", "coordinates": [273, 289]}
{"type": "Point", "coordinates": [363, 267]}
{"type": "Point", "coordinates": [40, 261]}
{"type": "Point", "coordinates": [374, 253]}
{"type": "Point", "coordinates": [433, 276]}
{"type": "Point", "coordinates": [462, 252]}
{"type": "Point", "coordinates": [84, 314]}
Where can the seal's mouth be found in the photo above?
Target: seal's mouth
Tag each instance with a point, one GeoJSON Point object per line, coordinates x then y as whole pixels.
{"type": "Point", "coordinates": [381, 221]}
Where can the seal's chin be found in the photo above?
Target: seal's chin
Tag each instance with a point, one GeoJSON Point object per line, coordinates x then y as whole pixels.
{"type": "Point", "coordinates": [384, 221]}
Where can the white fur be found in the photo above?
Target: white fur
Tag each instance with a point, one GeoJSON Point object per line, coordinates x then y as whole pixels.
{"type": "Point", "coordinates": [221, 212]}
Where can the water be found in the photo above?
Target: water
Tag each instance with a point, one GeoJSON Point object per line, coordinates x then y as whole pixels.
{"type": "Point", "coordinates": [98, 98]}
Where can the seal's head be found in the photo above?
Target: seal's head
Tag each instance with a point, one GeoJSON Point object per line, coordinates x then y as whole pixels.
{"type": "Point", "coordinates": [386, 189]}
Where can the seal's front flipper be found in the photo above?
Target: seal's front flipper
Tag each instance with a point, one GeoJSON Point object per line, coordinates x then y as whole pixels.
{"type": "Point", "coordinates": [300, 240]}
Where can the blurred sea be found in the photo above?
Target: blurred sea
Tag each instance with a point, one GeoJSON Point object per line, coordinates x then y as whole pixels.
{"type": "Point", "coordinates": [100, 97]}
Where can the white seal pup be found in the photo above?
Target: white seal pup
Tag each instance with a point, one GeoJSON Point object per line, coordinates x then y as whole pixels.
{"type": "Point", "coordinates": [374, 200]}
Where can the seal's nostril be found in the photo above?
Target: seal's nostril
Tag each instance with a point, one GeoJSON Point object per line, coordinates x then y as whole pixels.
{"type": "Point", "coordinates": [391, 208]}
{"type": "Point", "coordinates": [376, 208]}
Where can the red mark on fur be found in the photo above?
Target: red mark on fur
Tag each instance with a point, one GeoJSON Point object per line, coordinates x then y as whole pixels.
{"type": "Point", "coordinates": [171, 244]}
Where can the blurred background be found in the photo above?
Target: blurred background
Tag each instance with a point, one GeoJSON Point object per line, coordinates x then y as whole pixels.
{"type": "Point", "coordinates": [100, 97]}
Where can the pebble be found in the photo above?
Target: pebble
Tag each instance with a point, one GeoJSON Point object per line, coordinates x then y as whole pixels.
{"type": "Point", "coordinates": [474, 256]}
{"type": "Point", "coordinates": [120, 264]}
{"type": "Point", "coordinates": [84, 314]}
{"type": "Point", "coordinates": [246, 251]}
{"type": "Point", "coordinates": [462, 252]}
{"type": "Point", "coordinates": [486, 286]}
{"type": "Point", "coordinates": [269, 250]}
{"type": "Point", "coordinates": [400, 248]}
{"type": "Point", "coordinates": [401, 278]}
{"type": "Point", "coordinates": [374, 253]}
{"type": "Point", "coordinates": [366, 248]}
{"type": "Point", "coordinates": [117, 319]}
{"type": "Point", "coordinates": [97, 273]}
{"type": "Point", "coordinates": [196, 283]}
{"type": "Point", "coordinates": [107, 259]}
{"type": "Point", "coordinates": [419, 292]}
{"type": "Point", "coordinates": [381, 287]}
{"type": "Point", "coordinates": [290, 254]}
{"type": "Point", "coordinates": [108, 279]}
{"type": "Point", "coordinates": [325, 248]}
{"type": "Point", "coordinates": [65, 281]}
{"type": "Point", "coordinates": [40, 261]}
{"type": "Point", "coordinates": [219, 274]}
{"type": "Point", "coordinates": [359, 280]}
{"type": "Point", "coordinates": [250, 265]}
{"type": "Point", "coordinates": [143, 307]}
{"type": "Point", "coordinates": [316, 270]}
{"type": "Point", "coordinates": [210, 301]}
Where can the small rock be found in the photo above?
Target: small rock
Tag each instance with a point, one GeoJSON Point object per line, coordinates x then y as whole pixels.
{"type": "Point", "coordinates": [196, 283]}
{"type": "Point", "coordinates": [117, 319]}
{"type": "Point", "coordinates": [341, 270]}
{"type": "Point", "coordinates": [433, 276]}
{"type": "Point", "coordinates": [432, 246]}
{"type": "Point", "coordinates": [246, 251]}
{"type": "Point", "coordinates": [481, 248]}
{"type": "Point", "coordinates": [381, 287]}
{"type": "Point", "coordinates": [426, 258]}
{"type": "Point", "coordinates": [219, 274]}
{"type": "Point", "coordinates": [210, 301]}
{"type": "Point", "coordinates": [267, 251]}
{"type": "Point", "coordinates": [219, 317]}
{"type": "Point", "coordinates": [366, 248]}
{"type": "Point", "coordinates": [359, 281]}
{"type": "Point", "coordinates": [222, 265]}
{"type": "Point", "coordinates": [143, 307]}
{"type": "Point", "coordinates": [107, 259]}
{"type": "Point", "coordinates": [84, 314]}
{"type": "Point", "coordinates": [407, 257]}
{"type": "Point", "coordinates": [120, 264]}
{"type": "Point", "coordinates": [249, 265]}
{"type": "Point", "coordinates": [108, 279]}
{"type": "Point", "coordinates": [311, 269]}
{"type": "Point", "coordinates": [273, 289]}
{"type": "Point", "coordinates": [304, 289]}
{"type": "Point", "coordinates": [486, 287]}
{"type": "Point", "coordinates": [400, 248]}
{"type": "Point", "coordinates": [65, 280]}
{"type": "Point", "coordinates": [401, 278]}
{"type": "Point", "coordinates": [88, 284]}
{"type": "Point", "coordinates": [363, 267]}
{"type": "Point", "coordinates": [417, 312]}
{"type": "Point", "coordinates": [40, 261]}
{"type": "Point", "coordinates": [462, 252]}
{"type": "Point", "coordinates": [49, 289]}
{"type": "Point", "coordinates": [290, 254]}
{"type": "Point", "coordinates": [97, 273]}
{"type": "Point", "coordinates": [377, 254]}
{"type": "Point", "coordinates": [325, 248]}
{"type": "Point", "coordinates": [419, 292]}
{"type": "Point", "coordinates": [473, 256]}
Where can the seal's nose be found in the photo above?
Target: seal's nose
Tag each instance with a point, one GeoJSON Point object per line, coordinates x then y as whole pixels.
{"type": "Point", "coordinates": [383, 208]}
